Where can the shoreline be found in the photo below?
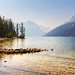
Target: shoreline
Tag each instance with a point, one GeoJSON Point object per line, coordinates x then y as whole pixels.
{"type": "Point", "coordinates": [3, 39]}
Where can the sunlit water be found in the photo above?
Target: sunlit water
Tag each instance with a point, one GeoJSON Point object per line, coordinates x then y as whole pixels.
{"type": "Point", "coordinates": [43, 63]}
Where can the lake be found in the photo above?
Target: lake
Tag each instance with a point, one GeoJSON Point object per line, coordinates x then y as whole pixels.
{"type": "Point", "coordinates": [60, 61]}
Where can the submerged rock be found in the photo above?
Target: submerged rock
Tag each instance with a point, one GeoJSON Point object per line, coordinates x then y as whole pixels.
{"type": "Point", "coordinates": [5, 61]}
{"type": "Point", "coordinates": [51, 49]}
{"type": "Point", "coordinates": [21, 50]}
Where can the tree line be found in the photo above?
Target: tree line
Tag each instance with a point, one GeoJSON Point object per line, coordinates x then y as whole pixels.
{"type": "Point", "coordinates": [7, 29]}
{"type": "Point", "coordinates": [20, 30]}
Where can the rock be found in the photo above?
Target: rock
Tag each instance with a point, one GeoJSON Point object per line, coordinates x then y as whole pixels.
{"type": "Point", "coordinates": [5, 61]}
{"type": "Point", "coordinates": [51, 49]}
{"type": "Point", "coordinates": [21, 50]}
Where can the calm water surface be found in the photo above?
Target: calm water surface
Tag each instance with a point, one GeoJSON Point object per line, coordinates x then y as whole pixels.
{"type": "Point", "coordinates": [38, 63]}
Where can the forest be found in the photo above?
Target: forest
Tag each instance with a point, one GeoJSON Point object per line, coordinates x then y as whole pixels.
{"type": "Point", "coordinates": [9, 30]}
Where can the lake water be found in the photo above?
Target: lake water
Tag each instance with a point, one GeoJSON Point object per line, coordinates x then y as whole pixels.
{"type": "Point", "coordinates": [60, 61]}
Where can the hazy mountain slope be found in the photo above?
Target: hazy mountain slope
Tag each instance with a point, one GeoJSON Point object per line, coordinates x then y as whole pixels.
{"type": "Point", "coordinates": [32, 29]}
{"type": "Point", "coordinates": [67, 29]}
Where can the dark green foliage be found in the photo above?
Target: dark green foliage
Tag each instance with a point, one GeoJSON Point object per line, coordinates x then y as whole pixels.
{"type": "Point", "coordinates": [17, 28]}
{"type": "Point", "coordinates": [22, 30]}
{"type": "Point", "coordinates": [7, 28]}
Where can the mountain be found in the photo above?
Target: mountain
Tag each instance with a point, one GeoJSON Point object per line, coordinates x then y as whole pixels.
{"type": "Point", "coordinates": [67, 29]}
{"type": "Point", "coordinates": [32, 29]}
{"type": "Point", "coordinates": [72, 19]}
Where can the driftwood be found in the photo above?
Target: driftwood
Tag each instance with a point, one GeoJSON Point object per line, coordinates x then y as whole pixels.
{"type": "Point", "coordinates": [27, 50]}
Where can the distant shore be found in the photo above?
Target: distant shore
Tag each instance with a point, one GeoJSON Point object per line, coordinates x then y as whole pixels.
{"type": "Point", "coordinates": [2, 39]}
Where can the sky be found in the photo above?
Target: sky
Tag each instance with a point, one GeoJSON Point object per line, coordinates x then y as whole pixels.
{"type": "Point", "coordinates": [47, 13]}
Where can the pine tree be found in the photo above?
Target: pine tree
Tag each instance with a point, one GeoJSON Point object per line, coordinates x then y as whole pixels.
{"type": "Point", "coordinates": [17, 28]}
{"type": "Point", "coordinates": [22, 30]}
{"type": "Point", "coordinates": [7, 28]}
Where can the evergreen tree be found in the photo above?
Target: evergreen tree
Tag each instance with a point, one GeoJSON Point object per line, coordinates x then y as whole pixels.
{"type": "Point", "coordinates": [22, 30]}
{"type": "Point", "coordinates": [7, 28]}
{"type": "Point", "coordinates": [17, 28]}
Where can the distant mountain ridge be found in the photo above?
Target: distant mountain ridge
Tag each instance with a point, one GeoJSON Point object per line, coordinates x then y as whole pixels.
{"type": "Point", "coordinates": [67, 29]}
{"type": "Point", "coordinates": [32, 29]}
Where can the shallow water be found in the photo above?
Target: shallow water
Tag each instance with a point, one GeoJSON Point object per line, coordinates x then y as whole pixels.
{"type": "Point", "coordinates": [60, 61]}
